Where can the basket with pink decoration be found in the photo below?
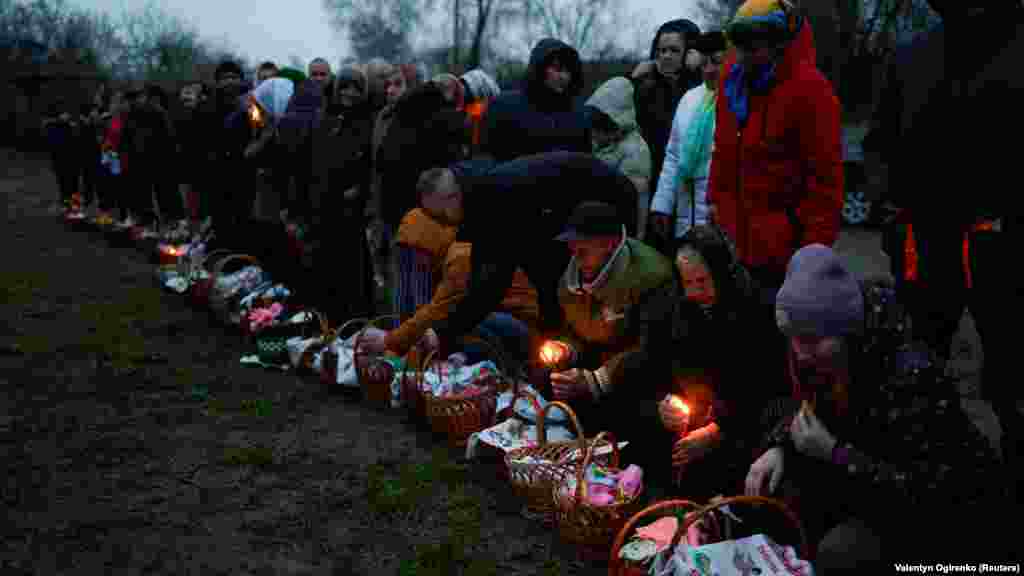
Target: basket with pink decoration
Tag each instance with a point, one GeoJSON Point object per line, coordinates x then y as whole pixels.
{"type": "Point", "coordinates": [701, 528]}
{"type": "Point", "coordinates": [592, 505]}
{"type": "Point", "coordinates": [533, 470]}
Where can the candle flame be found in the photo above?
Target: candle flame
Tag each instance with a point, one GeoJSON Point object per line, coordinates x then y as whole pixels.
{"type": "Point", "coordinates": [550, 353]}
{"type": "Point", "coordinates": [678, 404]}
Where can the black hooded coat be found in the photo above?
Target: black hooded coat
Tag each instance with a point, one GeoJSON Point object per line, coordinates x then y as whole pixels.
{"type": "Point", "coordinates": [513, 212]}
{"type": "Point", "coordinates": [657, 97]}
{"type": "Point", "coordinates": [536, 120]}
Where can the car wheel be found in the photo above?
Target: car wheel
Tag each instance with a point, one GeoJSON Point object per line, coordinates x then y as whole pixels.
{"type": "Point", "coordinates": [856, 209]}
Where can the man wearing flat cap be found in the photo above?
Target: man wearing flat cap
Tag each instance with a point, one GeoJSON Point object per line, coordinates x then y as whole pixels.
{"type": "Point", "coordinates": [608, 273]}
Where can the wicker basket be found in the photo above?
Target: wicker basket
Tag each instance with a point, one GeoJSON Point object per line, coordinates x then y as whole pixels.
{"type": "Point", "coordinates": [619, 567]}
{"type": "Point", "coordinates": [222, 304]}
{"type": "Point", "coordinates": [200, 290]}
{"type": "Point", "coordinates": [532, 481]}
{"type": "Point", "coordinates": [803, 550]}
{"type": "Point", "coordinates": [457, 417]}
{"type": "Point", "coordinates": [271, 341]}
{"type": "Point", "coordinates": [592, 528]}
{"type": "Point", "coordinates": [372, 372]}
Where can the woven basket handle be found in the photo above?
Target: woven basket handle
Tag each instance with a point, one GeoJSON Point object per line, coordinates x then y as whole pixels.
{"type": "Point", "coordinates": [775, 504]}
{"type": "Point", "coordinates": [353, 321]}
{"type": "Point", "coordinates": [217, 269]}
{"type": "Point", "coordinates": [542, 416]}
{"type": "Point", "coordinates": [213, 254]}
{"type": "Point", "coordinates": [588, 455]}
{"type": "Point", "coordinates": [614, 562]}
{"type": "Point", "coordinates": [424, 367]}
{"type": "Point", "coordinates": [373, 323]}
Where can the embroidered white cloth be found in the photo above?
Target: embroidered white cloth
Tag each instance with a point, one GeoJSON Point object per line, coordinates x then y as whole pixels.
{"type": "Point", "coordinates": [756, 554]}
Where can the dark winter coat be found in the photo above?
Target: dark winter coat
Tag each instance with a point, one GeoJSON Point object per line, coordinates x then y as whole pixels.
{"type": "Point", "coordinates": [535, 120]}
{"type": "Point", "coordinates": [906, 447]}
{"type": "Point", "coordinates": [657, 97]}
{"type": "Point", "coordinates": [513, 212]}
{"type": "Point", "coordinates": [425, 133]}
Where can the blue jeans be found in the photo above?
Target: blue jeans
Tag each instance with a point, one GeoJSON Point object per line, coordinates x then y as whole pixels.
{"type": "Point", "coordinates": [506, 330]}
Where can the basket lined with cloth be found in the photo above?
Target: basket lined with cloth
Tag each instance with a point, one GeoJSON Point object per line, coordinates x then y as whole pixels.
{"type": "Point", "coordinates": [583, 519]}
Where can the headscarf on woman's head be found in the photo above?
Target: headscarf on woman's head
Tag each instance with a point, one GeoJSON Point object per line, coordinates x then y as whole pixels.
{"type": "Point", "coordinates": [453, 89]}
{"type": "Point", "coordinates": [273, 96]}
{"type": "Point", "coordinates": [732, 283]}
{"type": "Point", "coordinates": [295, 75]}
{"type": "Point", "coordinates": [758, 24]}
{"type": "Point", "coordinates": [481, 86]}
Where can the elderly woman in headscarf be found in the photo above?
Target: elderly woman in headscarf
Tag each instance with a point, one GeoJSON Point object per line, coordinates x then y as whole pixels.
{"type": "Point", "coordinates": [266, 105]}
{"type": "Point", "coordinates": [701, 314]}
{"type": "Point", "coordinates": [341, 170]}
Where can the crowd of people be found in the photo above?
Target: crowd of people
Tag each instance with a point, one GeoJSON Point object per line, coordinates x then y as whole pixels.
{"type": "Point", "coordinates": [672, 233]}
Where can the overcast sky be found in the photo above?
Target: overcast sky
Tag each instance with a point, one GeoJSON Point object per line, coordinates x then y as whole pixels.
{"type": "Point", "coordinates": [265, 30]}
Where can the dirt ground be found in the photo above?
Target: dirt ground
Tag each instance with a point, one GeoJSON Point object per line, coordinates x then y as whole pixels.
{"type": "Point", "coordinates": [134, 443]}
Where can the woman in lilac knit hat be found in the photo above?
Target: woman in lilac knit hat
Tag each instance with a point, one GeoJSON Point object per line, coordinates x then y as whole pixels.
{"type": "Point", "coordinates": [873, 436]}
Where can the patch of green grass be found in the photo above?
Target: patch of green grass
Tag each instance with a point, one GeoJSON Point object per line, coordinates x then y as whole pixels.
{"type": "Point", "coordinates": [19, 287]}
{"type": "Point", "coordinates": [248, 456]}
{"type": "Point", "coordinates": [258, 408]}
{"type": "Point", "coordinates": [552, 567]}
{"type": "Point", "coordinates": [33, 344]}
{"type": "Point", "coordinates": [114, 326]}
{"type": "Point", "coordinates": [463, 513]}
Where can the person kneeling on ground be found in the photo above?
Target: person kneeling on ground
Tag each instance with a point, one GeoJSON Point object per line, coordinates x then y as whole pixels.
{"type": "Point", "coordinates": [688, 331]}
{"type": "Point", "coordinates": [874, 439]}
{"type": "Point", "coordinates": [608, 274]}
{"type": "Point", "coordinates": [434, 245]}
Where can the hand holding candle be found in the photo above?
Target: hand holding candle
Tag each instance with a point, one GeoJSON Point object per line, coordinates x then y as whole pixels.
{"type": "Point", "coordinates": [675, 414]}
{"type": "Point", "coordinates": [555, 354]}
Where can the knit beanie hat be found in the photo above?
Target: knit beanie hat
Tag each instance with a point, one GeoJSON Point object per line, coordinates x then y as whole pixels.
{"type": "Point", "coordinates": [481, 85]}
{"type": "Point", "coordinates": [819, 296]}
{"type": "Point", "coordinates": [776, 20]}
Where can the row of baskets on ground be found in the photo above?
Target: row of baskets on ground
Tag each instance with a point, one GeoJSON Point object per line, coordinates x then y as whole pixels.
{"type": "Point", "coordinates": [549, 476]}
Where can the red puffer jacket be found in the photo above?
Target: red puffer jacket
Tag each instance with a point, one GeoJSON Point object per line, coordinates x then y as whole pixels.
{"type": "Point", "coordinates": [777, 182]}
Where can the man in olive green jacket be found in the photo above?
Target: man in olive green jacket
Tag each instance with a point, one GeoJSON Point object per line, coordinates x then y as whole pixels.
{"type": "Point", "coordinates": [607, 275]}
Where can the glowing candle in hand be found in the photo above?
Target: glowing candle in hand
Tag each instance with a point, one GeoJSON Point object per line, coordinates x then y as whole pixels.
{"type": "Point", "coordinates": [551, 353]}
{"type": "Point", "coordinates": [680, 406]}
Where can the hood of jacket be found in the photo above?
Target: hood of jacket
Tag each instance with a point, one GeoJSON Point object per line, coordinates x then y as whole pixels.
{"type": "Point", "coordinates": [542, 53]}
{"type": "Point", "coordinates": [273, 96]}
{"type": "Point", "coordinates": [615, 99]}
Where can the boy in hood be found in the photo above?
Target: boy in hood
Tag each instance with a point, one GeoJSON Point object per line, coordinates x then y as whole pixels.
{"type": "Point", "coordinates": [616, 139]}
{"type": "Point", "coordinates": [545, 115]}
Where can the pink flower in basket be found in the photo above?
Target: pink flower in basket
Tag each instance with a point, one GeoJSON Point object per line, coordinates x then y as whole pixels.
{"type": "Point", "coordinates": [262, 317]}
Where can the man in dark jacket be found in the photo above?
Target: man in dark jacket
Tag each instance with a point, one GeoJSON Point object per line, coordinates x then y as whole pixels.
{"type": "Point", "coordinates": [661, 83]}
{"type": "Point", "coordinates": [545, 115]}
{"type": "Point", "coordinates": [938, 127]}
{"type": "Point", "coordinates": [230, 191]}
{"type": "Point", "coordinates": [511, 213]}
{"type": "Point", "coordinates": [147, 143]}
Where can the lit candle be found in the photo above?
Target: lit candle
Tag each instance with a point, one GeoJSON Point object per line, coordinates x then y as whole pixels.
{"type": "Point", "coordinates": [677, 403]}
{"type": "Point", "coordinates": [550, 353]}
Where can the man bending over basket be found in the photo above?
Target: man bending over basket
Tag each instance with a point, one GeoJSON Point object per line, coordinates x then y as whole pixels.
{"type": "Point", "coordinates": [511, 213]}
{"type": "Point", "coordinates": [873, 449]}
